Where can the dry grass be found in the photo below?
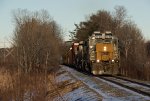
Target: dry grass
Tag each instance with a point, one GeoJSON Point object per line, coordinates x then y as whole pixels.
{"type": "Point", "coordinates": [5, 84]}
{"type": "Point", "coordinates": [19, 86]}
{"type": "Point", "coordinates": [5, 79]}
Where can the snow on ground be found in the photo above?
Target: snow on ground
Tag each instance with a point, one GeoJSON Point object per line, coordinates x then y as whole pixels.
{"type": "Point", "coordinates": [109, 91]}
{"type": "Point", "coordinates": [143, 88]}
{"type": "Point", "coordinates": [72, 89]}
{"type": "Point", "coordinates": [134, 94]}
{"type": "Point", "coordinates": [145, 82]}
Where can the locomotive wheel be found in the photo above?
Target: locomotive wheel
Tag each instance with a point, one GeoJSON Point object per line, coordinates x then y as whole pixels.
{"type": "Point", "coordinates": [90, 70]}
{"type": "Point", "coordinates": [82, 66]}
{"type": "Point", "coordinates": [87, 67]}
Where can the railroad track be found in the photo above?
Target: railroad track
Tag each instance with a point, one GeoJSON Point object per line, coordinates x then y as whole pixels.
{"type": "Point", "coordinates": [135, 86]}
{"type": "Point", "coordinates": [133, 81]}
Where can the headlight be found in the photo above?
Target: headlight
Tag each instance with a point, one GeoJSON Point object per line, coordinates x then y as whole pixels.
{"type": "Point", "coordinates": [91, 46]}
{"type": "Point", "coordinates": [105, 48]}
{"type": "Point", "coordinates": [93, 37]}
{"type": "Point", "coordinates": [97, 60]}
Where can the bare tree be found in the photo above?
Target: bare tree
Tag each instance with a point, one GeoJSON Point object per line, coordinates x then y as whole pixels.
{"type": "Point", "coordinates": [37, 43]}
{"type": "Point", "coordinates": [36, 37]}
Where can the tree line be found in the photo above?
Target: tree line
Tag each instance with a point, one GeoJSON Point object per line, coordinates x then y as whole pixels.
{"type": "Point", "coordinates": [36, 54]}
{"type": "Point", "coordinates": [37, 40]}
{"type": "Point", "coordinates": [131, 42]}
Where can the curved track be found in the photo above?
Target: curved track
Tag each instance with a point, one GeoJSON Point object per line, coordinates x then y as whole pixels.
{"type": "Point", "coordinates": [133, 81]}
{"type": "Point", "coordinates": [135, 86]}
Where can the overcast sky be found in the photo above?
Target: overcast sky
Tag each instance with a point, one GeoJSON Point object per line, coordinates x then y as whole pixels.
{"type": "Point", "coordinates": [68, 12]}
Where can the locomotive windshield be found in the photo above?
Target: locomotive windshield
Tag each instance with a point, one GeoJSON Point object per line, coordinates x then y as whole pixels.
{"type": "Point", "coordinates": [104, 41]}
{"type": "Point", "coordinates": [103, 37]}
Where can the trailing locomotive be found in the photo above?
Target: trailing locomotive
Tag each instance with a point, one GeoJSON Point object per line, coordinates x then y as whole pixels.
{"type": "Point", "coordinates": [99, 54]}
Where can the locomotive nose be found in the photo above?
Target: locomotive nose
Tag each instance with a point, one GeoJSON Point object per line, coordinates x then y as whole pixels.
{"type": "Point", "coordinates": [104, 51]}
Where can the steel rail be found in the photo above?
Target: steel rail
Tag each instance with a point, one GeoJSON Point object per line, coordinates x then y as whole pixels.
{"type": "Point", "coordinates": [126, 86]}
{"type": "Point", "coordinates": [133, 81]}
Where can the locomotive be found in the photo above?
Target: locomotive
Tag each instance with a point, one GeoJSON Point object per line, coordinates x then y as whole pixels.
{"type": "Point", "coordinates": [99, 54]}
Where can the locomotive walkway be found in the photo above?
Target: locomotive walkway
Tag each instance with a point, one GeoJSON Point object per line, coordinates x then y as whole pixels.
{"type": "Point", "coordinates": [76, 86]}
